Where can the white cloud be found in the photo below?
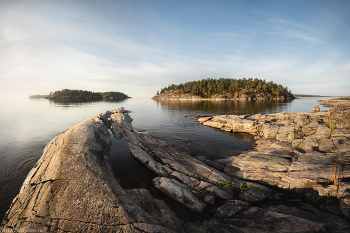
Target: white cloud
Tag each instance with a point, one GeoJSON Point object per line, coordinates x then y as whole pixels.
{"type": "Point", "coordinates": [41, 54]}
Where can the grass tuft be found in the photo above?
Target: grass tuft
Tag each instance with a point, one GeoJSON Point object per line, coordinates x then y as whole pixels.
{"type": "Point", "coordinates": [331, 125]}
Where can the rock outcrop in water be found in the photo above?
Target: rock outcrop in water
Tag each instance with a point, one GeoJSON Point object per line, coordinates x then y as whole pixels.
{"type": "Point", "coordinates": [176, 95]}
{"type": "Point", "coordinates": [73, 189]}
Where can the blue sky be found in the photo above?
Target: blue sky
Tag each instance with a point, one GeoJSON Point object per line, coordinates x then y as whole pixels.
{"type": "Point", "coordinates": [138, 47]}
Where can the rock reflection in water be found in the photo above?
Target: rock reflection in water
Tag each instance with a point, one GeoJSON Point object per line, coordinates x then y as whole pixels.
{"type": "Point", "coordinates": [218, 107]}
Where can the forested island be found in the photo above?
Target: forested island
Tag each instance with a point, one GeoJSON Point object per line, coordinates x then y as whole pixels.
{"type": "Point", "coordinates": [83, 94]}
{"type": "Point", "coordinates": [225, 88]}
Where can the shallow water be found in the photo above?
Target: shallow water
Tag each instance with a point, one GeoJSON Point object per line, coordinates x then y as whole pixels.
{"type": "Point", "coordinates": [27, 125]}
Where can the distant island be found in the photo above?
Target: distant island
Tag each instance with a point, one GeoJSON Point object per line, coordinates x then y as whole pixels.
{"type": "Point", "coordinates": [82, 95]}
{"type": "Point", "coordinates": [304, 95]}
{"type": "Point", "coordinates": [38, 96]}
{"type": "Point", "coordinates": [226, 89]}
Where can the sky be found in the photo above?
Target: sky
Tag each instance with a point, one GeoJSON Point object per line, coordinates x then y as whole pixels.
{"type": "Point", "coordinates": [138, 47]}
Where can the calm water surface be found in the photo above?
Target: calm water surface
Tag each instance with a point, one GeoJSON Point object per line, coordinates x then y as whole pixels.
{"type": "Point", "coordinates": [27, 125]}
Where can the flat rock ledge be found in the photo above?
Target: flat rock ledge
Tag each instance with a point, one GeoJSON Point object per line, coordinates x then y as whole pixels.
{"type": "Point", "coordinates": [308, 153]}
{"type": "Point", "coordinates": [73, 189]}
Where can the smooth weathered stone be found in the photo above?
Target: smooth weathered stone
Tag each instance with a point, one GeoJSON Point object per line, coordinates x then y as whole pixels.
{"type": "Point", "coordinates": [340, 116]}
{"type": "Point", "coordinates": [210, 199]}
{"type": "Point", "coordinates": [259, 220]}
{"type": "Point", "coordinates": [341, 133]}
{"type": "Point", "coordinates": [157, 209]}
{"type": "Point", "coordinates": [179, 193]}
{"type": "Point", "coordinates": [253, 196]}
{"type": "Point", "coordinates": [326, 145]}
{"type": "Point", "coordinates": [323, 132]}
{"type": "Point", "coordinates": [301, 118]}
{"type": "Point", "coordinates": [285, 133]}
{"type": "Point", "coordinates": [213, 124]}
{"type": "Point", "coordinates": [189, 181]}
{"type": "Point", "coordinates": [253, 193]}
{"type": "Point", "coordinates": [242, 125]}
{"type": "Point", "coordinates": [229, 209]}
{"type": "Point", "coordinates": [309, 143]}
{"type": "Point", "coordinates": [331, 222]}
{"type": "Point", "coordinates": [203, 119]}
{"type": "Point", "coordinates": [143, 157]}
{"type": "Point", "coordinates": [310, 169]}
{"type": "Point", "coordinates": [344, 205]}
{"type": "Point", "coordinates": [310, 128]}
{"type": "Point", "coordinates": [220, 192]}
{"type": "Point", "coordinates": [270, 131]}
{"type": "Point", "coordinates": [316, 108]}
{"type": "Point", "coordinates": [214, 164]}
{"type": "Point", "coordinates": [342, 190]}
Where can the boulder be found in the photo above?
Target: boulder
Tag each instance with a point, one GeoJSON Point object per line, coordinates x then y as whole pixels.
{"type": "Point", "coordinates": [203, 119]}
{"type": "Point", "coordinates": [326, 144]}
{"type": "Point", "coordinates": [270, 131]}
{"type": "Point", "coordinates": [340, 116]}
{"type": "Point", "coordinates": [230, 209]}
{"type": "Point", "coordinates": [210, 199]}
{"type": "Point", "coordinates": [286, 133]}
{"type": "Point", "coordinates": [316, 108]}
{"type": "Point", "coordinates": [179, 193]}
{"type": "Point", "coordinates": [310, 128]}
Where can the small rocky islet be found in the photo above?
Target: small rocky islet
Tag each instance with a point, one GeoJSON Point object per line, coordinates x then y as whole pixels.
{"type": "Point", "coordinates": [295, 178]}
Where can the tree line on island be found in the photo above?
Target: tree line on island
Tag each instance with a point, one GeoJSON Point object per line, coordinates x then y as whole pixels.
{"type": "Point", "coordinates": [83, 94]}
{"type": "Point", "coordinates": [207, 88]}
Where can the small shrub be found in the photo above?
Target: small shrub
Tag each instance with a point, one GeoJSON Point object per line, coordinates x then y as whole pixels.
{"type": "Point", "coordinates": [228, 187]}
{"type": "Point", "coordinates": [243, 187]}
{"type": "Point", "coordinates": [331, 125]}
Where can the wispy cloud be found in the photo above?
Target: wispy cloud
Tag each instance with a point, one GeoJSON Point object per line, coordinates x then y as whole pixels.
{"type": "Point", "coordinates": [44, 52]}
{"type": "Point", "coordinates": [289, 29]}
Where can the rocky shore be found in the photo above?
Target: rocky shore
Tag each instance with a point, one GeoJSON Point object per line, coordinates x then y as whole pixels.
{"type": "Point", "coordinates": [294, 180]}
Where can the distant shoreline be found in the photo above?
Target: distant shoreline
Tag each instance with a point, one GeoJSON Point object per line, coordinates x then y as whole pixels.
{"type": "Point", "coordinates": [304, 95]}
{"type": "Point", "coordinates": [39, 96]}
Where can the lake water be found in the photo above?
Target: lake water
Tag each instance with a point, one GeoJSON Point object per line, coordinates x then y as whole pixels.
{"type": "Point", "coordinates": [27, 125]}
